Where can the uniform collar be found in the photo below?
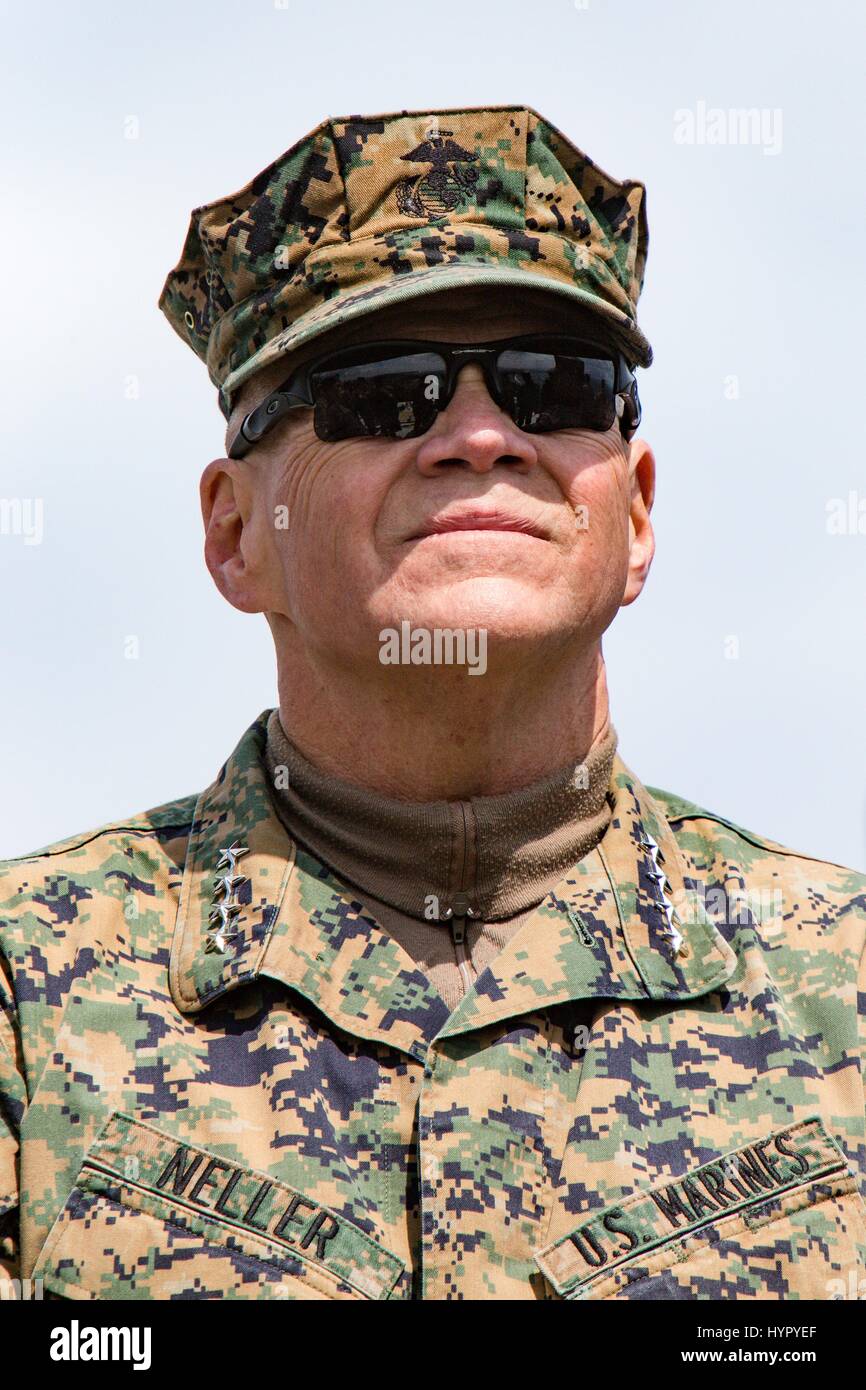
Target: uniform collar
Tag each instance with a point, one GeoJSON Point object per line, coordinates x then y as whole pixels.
{"type": "Point", "coordinates": [603, 932]}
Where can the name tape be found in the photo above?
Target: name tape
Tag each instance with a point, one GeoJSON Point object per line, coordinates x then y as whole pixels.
{"type": "Point", "coordinates": [137, 1153]}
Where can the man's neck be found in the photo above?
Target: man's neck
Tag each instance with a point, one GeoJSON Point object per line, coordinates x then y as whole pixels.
{"type": "Point", "coordinates": [433, 734]}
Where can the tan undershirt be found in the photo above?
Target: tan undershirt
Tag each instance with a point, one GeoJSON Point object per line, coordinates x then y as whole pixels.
{"type": "Point", "coordinates": [451, 881]}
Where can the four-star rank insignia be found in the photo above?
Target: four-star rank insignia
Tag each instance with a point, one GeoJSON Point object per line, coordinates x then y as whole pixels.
{"type": "Point", "coordinates": [225, 907]}
{"type": "Point", "coordinates": [441, 187]}
{"type": "Point", "coordinates": [662, 888]}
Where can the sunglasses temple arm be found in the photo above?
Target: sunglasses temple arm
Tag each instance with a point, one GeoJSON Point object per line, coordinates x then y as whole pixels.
{"type": "Point", "coordinates": [260, 421]}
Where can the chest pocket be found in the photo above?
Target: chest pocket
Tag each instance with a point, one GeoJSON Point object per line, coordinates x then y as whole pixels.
{"type": "Point", "coordinates": [779, 1219]}
{"type": "Point", "coordinates": [153, 1218]}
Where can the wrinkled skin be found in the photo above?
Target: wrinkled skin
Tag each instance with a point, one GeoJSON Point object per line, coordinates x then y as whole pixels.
{"type": "Point", "coordinates": [350, 563]}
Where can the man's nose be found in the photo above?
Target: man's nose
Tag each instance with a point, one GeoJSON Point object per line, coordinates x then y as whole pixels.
{"type": "Point", "coordinates": [473, 432]}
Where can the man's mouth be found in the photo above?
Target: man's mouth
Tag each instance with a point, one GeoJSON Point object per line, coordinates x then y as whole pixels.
{"type": "Point", "coordinates": [478, 519]}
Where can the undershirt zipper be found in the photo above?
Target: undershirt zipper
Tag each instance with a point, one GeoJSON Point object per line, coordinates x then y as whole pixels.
{"type": "Point", "coordinates": [460, 907]}
{"type": "Point", "coordinates": [462, 910]}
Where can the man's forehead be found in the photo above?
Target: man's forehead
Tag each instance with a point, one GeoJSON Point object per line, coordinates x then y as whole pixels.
{"type": "Point", "coordinates": [471, 313]}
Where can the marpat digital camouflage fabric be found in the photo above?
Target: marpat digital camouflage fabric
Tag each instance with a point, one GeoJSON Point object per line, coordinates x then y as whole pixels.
{"type": "Point", "coordinates": [368, 210]}
{"type": "Point", "coordinates": [220, 1079]}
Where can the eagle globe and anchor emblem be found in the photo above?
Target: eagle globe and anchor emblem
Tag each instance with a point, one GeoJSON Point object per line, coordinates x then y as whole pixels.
{"type": "Point", "coordinates": [442, 186]}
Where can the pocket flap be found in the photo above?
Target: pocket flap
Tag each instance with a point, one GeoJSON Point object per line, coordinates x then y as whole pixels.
{"type": "Point", "coordinates": [162, 1208]}
{"type": "Point", "coordinates": [678, 1211]}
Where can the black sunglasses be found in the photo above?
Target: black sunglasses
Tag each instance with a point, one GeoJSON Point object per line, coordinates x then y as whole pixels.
{"type": "Point", "coordinates": [396, 389]}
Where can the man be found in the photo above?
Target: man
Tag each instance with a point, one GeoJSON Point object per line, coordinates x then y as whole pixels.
{"type": "Point", "coordinates": [427, 996]}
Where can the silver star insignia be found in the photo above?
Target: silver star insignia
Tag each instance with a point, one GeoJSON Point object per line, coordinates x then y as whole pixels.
{"type": "Point", "coordinates": [657, 874]}
{"type": "Point", "coordinates": [225, 909]}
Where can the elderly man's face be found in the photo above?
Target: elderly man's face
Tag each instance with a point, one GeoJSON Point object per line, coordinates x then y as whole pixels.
{"type": "Point", "coordinates": [537, 539]}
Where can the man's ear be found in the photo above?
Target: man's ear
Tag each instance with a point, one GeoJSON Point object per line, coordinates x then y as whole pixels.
{"type": "Point", "coordinates": [228, 511]}
{"type": "Point", "coordinates": [642, 478]}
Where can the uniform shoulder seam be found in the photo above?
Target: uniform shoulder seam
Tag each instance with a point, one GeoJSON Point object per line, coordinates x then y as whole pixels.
{"type": "Point", "coordinates": [145, 827]}
{"type": "Point", "coordinates": [64, 846]}
{"type": "Point", "coordinates": [678, 809]}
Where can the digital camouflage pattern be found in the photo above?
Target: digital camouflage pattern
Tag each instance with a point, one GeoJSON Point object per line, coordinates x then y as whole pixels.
{"type": "Point", "coordinates": [655, 1091]}
{"type": "Point", "coordinates": [368, 210]}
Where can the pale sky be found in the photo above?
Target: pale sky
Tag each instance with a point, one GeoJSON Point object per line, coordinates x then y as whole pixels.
{"type": "Point", "coordinates": [737, 679]}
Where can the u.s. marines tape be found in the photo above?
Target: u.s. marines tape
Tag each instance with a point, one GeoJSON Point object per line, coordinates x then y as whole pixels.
{"type": "Point", "coordinates": [744, 1183]}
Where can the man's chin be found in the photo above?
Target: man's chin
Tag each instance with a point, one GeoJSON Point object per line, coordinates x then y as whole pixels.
{"type": "Point", "coordinates": [507, 609]}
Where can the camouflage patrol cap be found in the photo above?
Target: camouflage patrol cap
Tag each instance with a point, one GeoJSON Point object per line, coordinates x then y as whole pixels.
{"type": "Point", "coordinates": [369, 210]}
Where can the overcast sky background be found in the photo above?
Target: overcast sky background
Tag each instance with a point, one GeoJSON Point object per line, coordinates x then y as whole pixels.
{"type": "Point", "coordinates": [754, 406]}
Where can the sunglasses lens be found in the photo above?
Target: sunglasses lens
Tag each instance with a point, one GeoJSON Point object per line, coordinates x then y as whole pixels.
{"type": "Point", "coordinates": [397, 397]}
{"type": "Point", "coordinates": [545, 391]}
